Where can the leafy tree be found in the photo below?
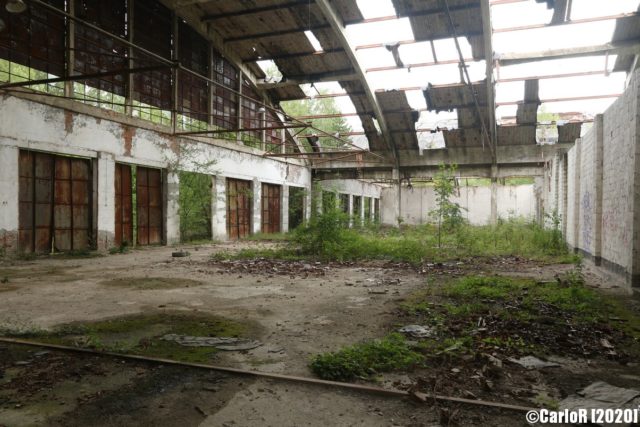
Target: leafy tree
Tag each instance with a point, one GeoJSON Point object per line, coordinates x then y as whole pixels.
{"type": "Point", "coordinates": [447, 214]}
{"type": "Point", "coordinates": [195, 206]}
{"type": "Point", "coordinates": [314, 107]}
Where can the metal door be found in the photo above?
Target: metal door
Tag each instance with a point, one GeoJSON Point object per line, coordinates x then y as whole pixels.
{"type": "Point", "coordinates": [149, 206]}
{"type": "Point", "coordinates": [124, 205]}
{"type": "Point", "coordinates": [55, 202]}
{"type": "Point", "coordinates": [270, 208]}
{"type": "Point", "coordinates": [238, 208]}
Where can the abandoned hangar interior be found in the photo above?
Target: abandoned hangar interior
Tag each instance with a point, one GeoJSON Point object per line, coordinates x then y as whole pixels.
{"type": "Point", "coordinates": [106, 105]}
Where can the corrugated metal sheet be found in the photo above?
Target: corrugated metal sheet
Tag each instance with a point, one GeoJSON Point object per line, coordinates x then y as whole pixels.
{"type": "Point", "coordinates": [401, 120]}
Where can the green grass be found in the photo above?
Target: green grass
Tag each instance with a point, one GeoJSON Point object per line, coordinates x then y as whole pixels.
{"type": "Point", "coordinates": [140, 334]}
{"type": "Point", "coordinates": [326, 239]}
{"type": "Point", "coordinates": [366, 359]}
{"type": "Point", "coordinates": [523, 316]}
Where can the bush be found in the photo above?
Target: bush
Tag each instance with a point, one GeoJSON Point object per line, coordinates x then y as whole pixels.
{"type": "Point", "coordinates": [366, 359]}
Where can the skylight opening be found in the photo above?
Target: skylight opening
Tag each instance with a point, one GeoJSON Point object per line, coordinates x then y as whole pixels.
{"type": "Point", "coordinates": [271, 70]}
{"type": "Point", "coordinates": [313, 40]}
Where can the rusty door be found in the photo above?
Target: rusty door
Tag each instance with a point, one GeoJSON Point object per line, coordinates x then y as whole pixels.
{"type": "Point", "coordinates": [55, 202]}
{"type": "Point", "coordinates": [72, 188]}
{"type": "Point", "coordinates": [124, 205]}
{"type": "Point", "coordinates": [238, 208]}
{"type": "Point", "coordinates": [149, 206]}
{"type": "Point", "coordinates": [270, 208]}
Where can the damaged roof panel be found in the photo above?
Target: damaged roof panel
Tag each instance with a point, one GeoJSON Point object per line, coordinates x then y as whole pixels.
{"type": "Point", "coordinates": [627, 28]}
{"type": "Point", "coordinates": [457, 95]}
{"type": "Point", "coordinates": [400, 118]}
{"type": "Point", "coordinates": [569, 132]}
{"type": "Point", "coordinates": [429, 20]}
{"type": "Point", "coordinates": [517, 135]}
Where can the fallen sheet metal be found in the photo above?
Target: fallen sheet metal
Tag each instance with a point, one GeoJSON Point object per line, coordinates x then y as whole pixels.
{"type": "Point", "coordinates": [221, 343]}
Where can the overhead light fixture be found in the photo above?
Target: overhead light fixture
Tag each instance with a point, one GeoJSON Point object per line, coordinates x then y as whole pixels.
{"type": "Point", "coordinates": [16, 6]}
{"type": "Point", "coordinates": [2, 25]}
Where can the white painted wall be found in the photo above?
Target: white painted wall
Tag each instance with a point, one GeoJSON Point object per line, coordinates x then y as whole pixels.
{"type": "Point", "coordinates": [36, 126]}
{"type": "Point", "coordinates": [513, 201]}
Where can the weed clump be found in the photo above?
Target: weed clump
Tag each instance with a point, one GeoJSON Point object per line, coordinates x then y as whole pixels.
{"type": "Point", "coordinates": [366, 359]}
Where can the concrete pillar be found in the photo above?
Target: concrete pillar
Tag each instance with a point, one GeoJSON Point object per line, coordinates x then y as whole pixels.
{"type": "Point", "coordinates": [598, 171]}
{"type": "Point", "coordinates": [106, 206]}
{"type": "Point", "coordinates": [219, 209]}
{"type": "Point", "coordinates": [362, 201]}
{"type": "Point", "coordinates": [9, 198]}
{"type": "Point", "coordinates": [395, 175]}
{"type": "Point", "coordinates": [256, 223]}
{"type": "Point", "coordinates": [372, 209]}
{"type": "Point", "coordinates": [172, 211]}
{"type": "Point", "coordinates": [350, 210]}
{"type": "Point", "coordinates": [577, 169]}
{"type": "Point", "coordinates": [494, 195]}
{"type": "Point", "coordinates": [284, 209]}
{"type": "Point", "coordinates": [308, 198]}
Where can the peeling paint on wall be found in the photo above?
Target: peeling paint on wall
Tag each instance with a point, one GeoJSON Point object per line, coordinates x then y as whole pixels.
{"type": "Point", "coordinates": [68, 121]}
{"type": "Point", "coordinates": [128, 133]}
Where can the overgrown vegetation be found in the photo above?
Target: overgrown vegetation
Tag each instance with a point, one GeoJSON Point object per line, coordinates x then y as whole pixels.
{"type": "Point", "coordinates": [515, 316]}
{"type": "Point", "coordinates": [325, 237]}
{"type": "Point", "coordinates": [448, 214]}
{"type": "Point", "coordinates": [195, 206]}
{"type": "Point", "coordinates": [366, 359]}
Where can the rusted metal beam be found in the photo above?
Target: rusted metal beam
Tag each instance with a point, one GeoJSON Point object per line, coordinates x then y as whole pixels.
{"type": "Point", "coordinates": [276, 57]}
{"type": "Point", "coordinates": [337, 75]}
{"type": "Point", "coordinates": [560, 24]}
{"type": "Point", "coordinates": [317, 153]}
{"type": "Point", "coordinates": [276, 33]}
{"type": "Point", "coordinates": [254, 11]}
{"type": "Point", "coordinates": [569, 98]}
{"type": "Point", "coordinates": [290, 378]}
{"type": "Point", "coordinates": [416, 65]}
{"type": "Point", "coordinates": [219, 131]}
{"type": "Point", "coordinates": [74, 78]}
{"type": "Point", "coordinates": [618, 47]}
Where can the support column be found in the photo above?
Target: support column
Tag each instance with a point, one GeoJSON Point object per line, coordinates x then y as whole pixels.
{"type": "Point", "coordinates": [308, 197]}
{"type": "Point", "coordinates": [494, 194]}
{"type": "Point", "coordinates": [395, 175]}
{"type": "Point", "coordinates": [9, 198]}
{"type": "Point", "coordinates": [598, 172]}
{"type": "Point", "coordinates": [219, 208]}
{"type": "Point", "coordinates": [576, 199]}
{"type": "Point", "coordinates": [172, 211]}
{"type": "Point", "coordinates": [256, 205]}
{"type": "Point", "coordinates": [372, 209]}
{"type": "Point", "coordinates": [350, 210]}
{"type": "Point", "coordinates": [362, 201]}
{"type": "Point", "coordinates": [284, 209]}
{"type": "Point", "coordinates": [106, 195]}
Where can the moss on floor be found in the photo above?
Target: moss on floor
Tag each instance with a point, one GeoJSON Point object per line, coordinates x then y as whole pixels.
{"type": "Point", "coordinates": [141, 334]}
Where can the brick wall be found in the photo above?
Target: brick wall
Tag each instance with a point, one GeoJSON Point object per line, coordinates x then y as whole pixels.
{"type": "Point", "coordinates": [599, 191]}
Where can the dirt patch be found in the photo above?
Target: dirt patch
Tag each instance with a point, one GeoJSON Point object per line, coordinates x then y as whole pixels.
{"type": "Point", "coordinates": [147, 283]}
